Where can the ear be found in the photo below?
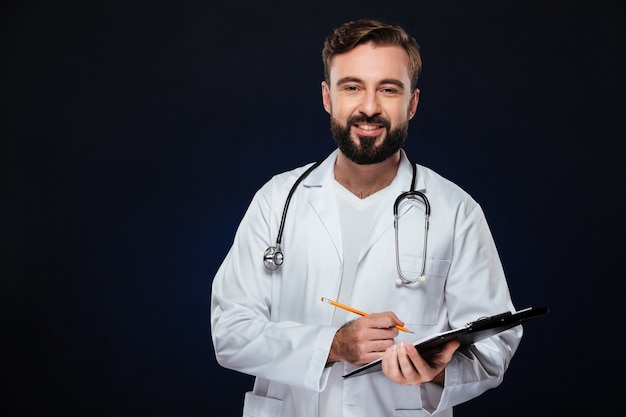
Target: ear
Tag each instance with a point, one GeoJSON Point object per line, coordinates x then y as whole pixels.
{"type": "Point", "coordinates": [415, 98]}
{"type": "Point", "coordinates": [326, 96]}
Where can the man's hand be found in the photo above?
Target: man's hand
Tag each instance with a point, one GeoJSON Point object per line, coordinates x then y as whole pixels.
{"type": "Point", "coordinates": [365, 339]}
{"type": "Point", "coordinates": [404, 365]}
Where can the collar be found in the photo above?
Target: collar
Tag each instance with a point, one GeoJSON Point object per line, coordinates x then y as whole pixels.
{"type": "Point", "coordinates": [324, 174]}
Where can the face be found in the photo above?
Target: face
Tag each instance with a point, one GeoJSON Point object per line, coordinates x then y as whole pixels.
{"type": "Point", "coordinates": [370, 102]}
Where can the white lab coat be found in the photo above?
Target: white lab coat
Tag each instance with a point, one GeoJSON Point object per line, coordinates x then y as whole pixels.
{"type": "Point", "coordinates": [274, 325]}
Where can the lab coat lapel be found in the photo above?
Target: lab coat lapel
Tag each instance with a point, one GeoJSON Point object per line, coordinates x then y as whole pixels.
{"type": "Point", "coordinates": [323, 200]}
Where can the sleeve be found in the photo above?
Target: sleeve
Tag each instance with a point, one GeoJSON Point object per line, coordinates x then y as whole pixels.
{"type": "Point", "coordinates": [476, 286]}
{"type": "Point", "coordinates": [245, 337]}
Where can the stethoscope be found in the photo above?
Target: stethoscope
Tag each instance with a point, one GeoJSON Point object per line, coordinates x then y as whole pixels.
{"type": "Point", "coordinates": [273, 257]}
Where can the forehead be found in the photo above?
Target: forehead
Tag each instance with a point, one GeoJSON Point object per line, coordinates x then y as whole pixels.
{"type": "Point", "coordinates": [371, 63]}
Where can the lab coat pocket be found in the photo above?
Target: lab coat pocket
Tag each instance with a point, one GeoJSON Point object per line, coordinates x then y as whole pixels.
{"type": "Point", "coordinates": [420, 302]}
{"type": "Point", "coordinates": [409, 413]}
{"type": "Point", "coordinates": [412, 413]}
{"type": "Point", "coordinates": [258, 406]}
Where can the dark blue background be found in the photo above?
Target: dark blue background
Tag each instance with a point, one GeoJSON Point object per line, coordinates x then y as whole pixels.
{"type": "Point", "coordinates": [134, 133]}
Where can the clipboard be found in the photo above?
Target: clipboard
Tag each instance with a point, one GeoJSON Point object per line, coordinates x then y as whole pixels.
{"type": "Point", "coordinates": [474, 331]}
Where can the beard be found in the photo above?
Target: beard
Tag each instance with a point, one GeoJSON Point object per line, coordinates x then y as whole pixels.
{"type": "Point", "coordinates": [365, 152]}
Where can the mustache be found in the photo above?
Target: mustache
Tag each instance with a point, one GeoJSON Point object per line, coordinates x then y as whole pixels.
{"type": "Point", "coordinates": [364, 119]}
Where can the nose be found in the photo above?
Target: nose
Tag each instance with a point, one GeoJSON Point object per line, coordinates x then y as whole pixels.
{"type": "Point", "coordinates": [370, 105]}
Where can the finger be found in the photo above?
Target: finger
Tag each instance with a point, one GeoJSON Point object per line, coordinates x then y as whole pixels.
{"type": "Point", "coordinates": [377, 346]}
{"type": "Point", "coordinates": [384, 320]}
{"type": "Point", "coordinates": [448, 350]}
{"type": "Point", "coordinates": [408, 368]}
{"type": "Point", "coordinates": [417, 360]}
{"type": "Point", "coordinates": [367, 329]}
{"type": "Point", "coordinates": [426, 369]}
{"type": "Point", "coordinates": [383, 334]}
{"type": "Point", "coordinates": [390, 365]}
{"type": "Point", "coordinates": [368, 351]}
{"type": "Point", "coordinates": [364, 330]}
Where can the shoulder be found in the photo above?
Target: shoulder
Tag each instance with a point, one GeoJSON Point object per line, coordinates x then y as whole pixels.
{"type": "Point", "coordinates": [445, 192]}
{"type": "Point", "coordinates": [310, 174]}
{"type": "Point", "coordinates": [278, 188]}
{"type": "Point", "coordinates": [286, 179]}
{"type": "Point", "coordinates": [434, 181]}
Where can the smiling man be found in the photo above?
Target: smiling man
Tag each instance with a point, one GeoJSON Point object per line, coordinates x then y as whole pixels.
{"type": "Point", "coordinates": [327, 230]}
{"type": "Point", "coordinates": [370, 101]}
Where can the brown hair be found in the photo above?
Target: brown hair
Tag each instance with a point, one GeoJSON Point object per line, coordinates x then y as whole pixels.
{"type": "Point", "coordinates": [351, 34]}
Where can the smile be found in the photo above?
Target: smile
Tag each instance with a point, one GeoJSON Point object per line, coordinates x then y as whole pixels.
{"type": "Point", "coordinates": [368, 127]}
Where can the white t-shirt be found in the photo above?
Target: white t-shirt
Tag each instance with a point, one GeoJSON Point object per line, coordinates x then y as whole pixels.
{"type": "Point", "coordinates": [356, 215]}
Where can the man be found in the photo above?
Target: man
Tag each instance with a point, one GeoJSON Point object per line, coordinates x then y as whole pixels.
{"type": "Point", "coordinates": [336, 239]}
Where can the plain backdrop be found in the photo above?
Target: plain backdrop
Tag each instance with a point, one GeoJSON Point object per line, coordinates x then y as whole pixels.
{"type": "Point", "coordinates": [133, 135]}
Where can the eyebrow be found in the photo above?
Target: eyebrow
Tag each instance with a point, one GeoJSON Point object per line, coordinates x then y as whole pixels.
{"type": "Point", "coordinates": [392, 81]}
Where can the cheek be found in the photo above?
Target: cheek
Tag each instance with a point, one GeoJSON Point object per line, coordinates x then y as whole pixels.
{"type": "Point", "coordinates": [338, 111]}
{"type": "Point", "coordinates": [400, 114]}
{"type": "Point", "coordinates": [342, 106]}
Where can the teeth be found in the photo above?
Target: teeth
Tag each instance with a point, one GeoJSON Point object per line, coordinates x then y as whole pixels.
{"type": "Point", "coordinates": [368, 127]}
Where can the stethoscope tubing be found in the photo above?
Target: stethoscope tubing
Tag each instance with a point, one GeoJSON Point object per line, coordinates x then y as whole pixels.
{"type": "Point", "coordinates": [406, 197]}
{"type": "Point", "coordinates": [273, 257]}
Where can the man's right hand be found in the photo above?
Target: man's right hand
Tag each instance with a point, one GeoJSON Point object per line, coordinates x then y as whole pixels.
{"type": "Point", "coordinates": [365, 339]}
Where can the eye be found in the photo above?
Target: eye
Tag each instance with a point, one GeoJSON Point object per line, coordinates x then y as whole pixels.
{"type": "Point", "coordinates": [390, 90]}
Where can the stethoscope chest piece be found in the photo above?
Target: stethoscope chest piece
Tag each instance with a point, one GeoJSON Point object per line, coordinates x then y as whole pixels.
{"type": "Point", "coordinates": [273, 258]}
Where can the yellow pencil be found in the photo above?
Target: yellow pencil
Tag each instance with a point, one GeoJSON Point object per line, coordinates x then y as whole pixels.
{"type": "Point", "coordinates": [355, 311]}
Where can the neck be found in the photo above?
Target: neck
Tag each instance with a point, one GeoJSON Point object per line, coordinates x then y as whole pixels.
{"type": "Point", "coordinates": [365, 180]}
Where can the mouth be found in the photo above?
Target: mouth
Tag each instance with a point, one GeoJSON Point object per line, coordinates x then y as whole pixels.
{"type": "Point", "coordinates": [368, 129]}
